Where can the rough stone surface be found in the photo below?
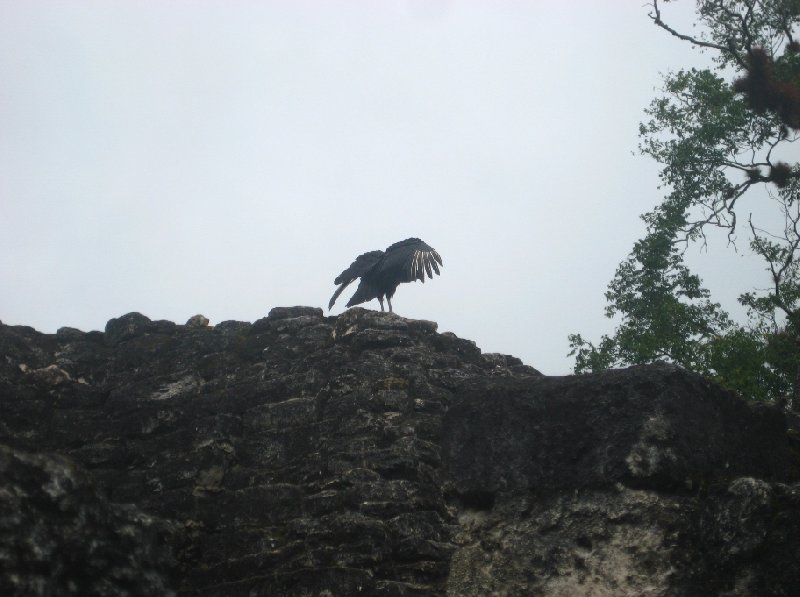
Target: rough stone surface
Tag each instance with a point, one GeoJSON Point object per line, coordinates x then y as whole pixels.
{"type": "Point", "coordinates": [59, 537]}
{"type": "Point", "coordinates": [197, 321]}
{"type": "Point", "coordinates": [371, 455]}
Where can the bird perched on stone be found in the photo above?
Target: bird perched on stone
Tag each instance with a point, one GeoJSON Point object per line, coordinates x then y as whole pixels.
{"type": "Point", "coordinates": [381, 272]}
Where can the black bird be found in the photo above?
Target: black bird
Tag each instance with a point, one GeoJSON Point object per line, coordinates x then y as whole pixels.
{"type": "Point", "coordinates": [382, 271]}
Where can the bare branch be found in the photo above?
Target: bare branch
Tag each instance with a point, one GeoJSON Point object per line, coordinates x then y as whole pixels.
{"type": "Point", "coordinates": [747, 38]}
{"type": "Point", "coordinates": [656, 17]}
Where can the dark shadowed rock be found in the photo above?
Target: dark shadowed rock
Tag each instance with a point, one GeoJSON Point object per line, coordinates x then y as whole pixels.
{"type": "Point", "coordinates": [126, 327]}
{"type": "Point", "coordinates": [655, 427]}
{"type": "Point", "coordinates": [67, 333]}
{"type": "Point", "coordinates": [59, 537]}
{"type": "Point", "coordinates": [368, 454]}
{"type": "Point", "coordinates": [232, 327]}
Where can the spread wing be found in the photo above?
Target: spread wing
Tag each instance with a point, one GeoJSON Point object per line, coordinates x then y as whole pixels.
{"type": "Point", "coordinates": [358, 268]}
{"type": "Point", "coordinates": [410, 260]}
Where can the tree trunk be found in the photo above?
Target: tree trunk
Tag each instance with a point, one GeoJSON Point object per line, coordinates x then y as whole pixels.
{"type": "Point", "coordinates": [795, 400]}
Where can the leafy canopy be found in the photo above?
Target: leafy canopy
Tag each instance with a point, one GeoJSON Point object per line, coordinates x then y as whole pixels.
{"type": "Point", "coordinates": [717, 134]}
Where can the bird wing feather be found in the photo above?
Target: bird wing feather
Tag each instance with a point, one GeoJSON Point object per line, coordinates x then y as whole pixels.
{"type": "Point", "coordinates": [359, 267]}
{"type": "Point", "coordinates": [411, 259]}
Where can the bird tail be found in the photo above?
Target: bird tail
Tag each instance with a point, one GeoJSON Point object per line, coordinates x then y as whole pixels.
{"type": "Point", "coordinates": [358, 268]}
{"type": "Point", "coordinates": [338, 292]}
{"type": "Point", "coordinates": [365, 292]}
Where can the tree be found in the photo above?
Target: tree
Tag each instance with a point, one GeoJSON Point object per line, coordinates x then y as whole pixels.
{"type": "Point", "coordinates": [722, 136]}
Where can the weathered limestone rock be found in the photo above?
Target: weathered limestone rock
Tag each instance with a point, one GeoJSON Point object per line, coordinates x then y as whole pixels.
{"type": "Point", "coordinates": [197, 321]}
{"type": "Point", "coordinates": [368, 454]}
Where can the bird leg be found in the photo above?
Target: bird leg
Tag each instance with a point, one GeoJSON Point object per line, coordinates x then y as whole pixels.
{"type": "Point", "coordinates": [380, 300]}
{"type": "Point", "coordinates": [388, 300]}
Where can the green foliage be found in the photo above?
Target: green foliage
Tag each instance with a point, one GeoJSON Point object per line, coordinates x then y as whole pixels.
{"type": "Point", "coordinates": [714, 132]}
{"type": "Point", "coordinates": [666, 313]}
{"type": "Point", "coordinates": [736, 26]}
{"type": "Point", "coordinates": [741, 360]}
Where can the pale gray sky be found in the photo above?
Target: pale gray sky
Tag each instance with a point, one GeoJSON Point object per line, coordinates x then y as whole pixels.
{"type": "Point", "coordinates": [224, 158]}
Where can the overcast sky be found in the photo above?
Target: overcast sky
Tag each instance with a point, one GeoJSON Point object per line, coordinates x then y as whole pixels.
{"type": "Point", "coordinates": [224, 158]}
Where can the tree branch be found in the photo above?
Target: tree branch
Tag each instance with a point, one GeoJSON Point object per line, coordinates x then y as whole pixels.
{"type": "Point", "coordinates": [656, 17]}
